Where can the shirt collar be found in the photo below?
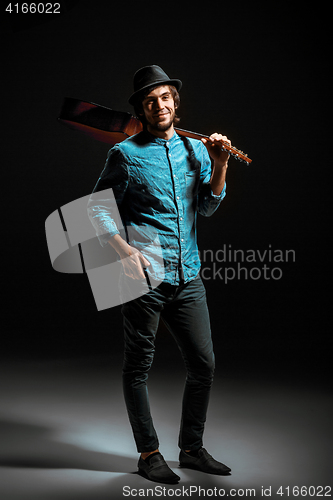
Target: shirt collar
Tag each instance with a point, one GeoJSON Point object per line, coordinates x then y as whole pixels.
{"type": "Point", "coordinates": [162, 142]}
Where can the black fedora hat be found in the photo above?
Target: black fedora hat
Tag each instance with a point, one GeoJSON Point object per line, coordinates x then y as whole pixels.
{"type": "Point", "coordinates": [150, 76]}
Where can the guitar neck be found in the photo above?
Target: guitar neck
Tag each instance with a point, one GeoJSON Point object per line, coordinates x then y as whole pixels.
{"type": "Point", "coordinates": [236, 153]}
{"type": "Point", "coordinates": [111, 126]}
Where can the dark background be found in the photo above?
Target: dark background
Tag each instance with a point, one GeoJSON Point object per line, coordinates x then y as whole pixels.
{"type": "Point", "coordinates": [256, 74]}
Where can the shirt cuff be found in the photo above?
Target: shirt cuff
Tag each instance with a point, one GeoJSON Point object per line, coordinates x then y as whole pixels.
{"type": "Point", "coordinates": [106, 237]}
{"type": "Point", "coordinates": [220, 196]}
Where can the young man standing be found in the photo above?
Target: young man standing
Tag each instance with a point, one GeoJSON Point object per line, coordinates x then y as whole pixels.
{"type": "Point", "coordinates": [160, 181]}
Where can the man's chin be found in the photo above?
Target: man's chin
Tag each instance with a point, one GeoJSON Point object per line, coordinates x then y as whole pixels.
{"type": "Point", "coordinates": [162, 127]}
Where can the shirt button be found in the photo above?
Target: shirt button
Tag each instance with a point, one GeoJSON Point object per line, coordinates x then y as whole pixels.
{"type": "Point", "coordinates": [182, 239]}
{"type": "Point", "coordinates": [181, 218]}
{"type": "Point", "coordinates": [177, 197]}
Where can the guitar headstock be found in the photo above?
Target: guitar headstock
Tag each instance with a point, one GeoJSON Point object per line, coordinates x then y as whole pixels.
{"type": "Point", "coordinates": [237, 153]}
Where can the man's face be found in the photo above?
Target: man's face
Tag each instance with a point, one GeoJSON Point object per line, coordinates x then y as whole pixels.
{"type": "Point", "coordinates": [159, 108]}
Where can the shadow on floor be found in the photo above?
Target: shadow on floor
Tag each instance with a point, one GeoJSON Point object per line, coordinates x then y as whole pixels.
{"type": "Point", "coordinates": [29, 445]}
{"type": "Point", "coordinates": [31, 450]}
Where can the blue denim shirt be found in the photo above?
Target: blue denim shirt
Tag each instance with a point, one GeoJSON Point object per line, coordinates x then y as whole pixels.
{"type": "Point", "coordinates": [159, 186]}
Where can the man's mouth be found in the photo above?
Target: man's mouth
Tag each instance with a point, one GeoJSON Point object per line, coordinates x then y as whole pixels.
{"type": "Point", "coordinates": [161, 115]}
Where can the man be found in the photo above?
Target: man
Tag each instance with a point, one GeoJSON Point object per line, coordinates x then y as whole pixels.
{"type": "Point", "coordinates": [160, 181]}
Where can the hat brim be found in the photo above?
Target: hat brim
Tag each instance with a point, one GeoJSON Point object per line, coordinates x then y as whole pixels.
{"type": "Point", "coordinates": [134, 97]}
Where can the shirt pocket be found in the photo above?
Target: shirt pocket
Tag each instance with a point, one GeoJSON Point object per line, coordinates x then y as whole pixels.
{"type": "Point", "coordinates": [191, 182]}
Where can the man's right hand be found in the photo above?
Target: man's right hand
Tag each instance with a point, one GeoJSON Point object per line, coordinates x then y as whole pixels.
{"type": "Point", "coordinates": [132, 260]}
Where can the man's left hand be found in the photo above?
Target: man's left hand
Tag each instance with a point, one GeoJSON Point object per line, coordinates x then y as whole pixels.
{"type": "Point", "coordinates": [214, 145]}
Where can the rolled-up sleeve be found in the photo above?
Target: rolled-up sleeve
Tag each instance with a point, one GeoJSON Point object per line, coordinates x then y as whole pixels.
{"type": "Point", "coordinates": [107, 196]}
{"type": "Point", "coordinates": [207, 201]}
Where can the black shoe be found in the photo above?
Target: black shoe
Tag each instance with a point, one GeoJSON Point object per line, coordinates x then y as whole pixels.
{"type": "Point", "coordinates": [157, 470]}
{"type": "Point", "coordinates": [204, 462]}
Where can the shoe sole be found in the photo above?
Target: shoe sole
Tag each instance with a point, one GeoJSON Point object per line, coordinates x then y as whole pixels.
{"type": "Point", "coordinates": [145, 475]}
{"type": "Point", "coordinates": [196, 467]}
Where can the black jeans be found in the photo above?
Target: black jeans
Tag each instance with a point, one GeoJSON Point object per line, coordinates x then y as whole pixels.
{"type": "Point", "coordinates": [185, 313]}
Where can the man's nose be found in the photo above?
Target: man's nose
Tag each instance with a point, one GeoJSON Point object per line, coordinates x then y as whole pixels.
{"type": "Point", "coordinates": [159, 103]}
